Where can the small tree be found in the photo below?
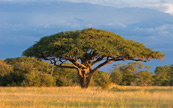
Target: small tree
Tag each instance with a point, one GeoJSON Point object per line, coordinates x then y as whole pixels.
{"type": "Point", "coordinates": [29, 72]}
{"type": "Point", "coordinates": [171, 75]}
{"type": "Point", "coordinates": [134, 73]}
{"type": "Point", "coordinates": [65, 76]}
{"type": "Point", "coordinates": [117, 75]}
{"type": "Point", "coordinates": [87, 48]}
{"type": "Point", "coordinates": [5, 71]}
{"type": "Point", "coordinates": [5, 68]}
{"type": "Point", "coordinates": [162, 75]}
{"type": "Point", "coordinates": [145, 78]}
{"type": "Point", "coordinates": [102, 79]}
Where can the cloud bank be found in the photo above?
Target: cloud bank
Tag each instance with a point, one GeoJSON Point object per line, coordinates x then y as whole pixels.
{"type": "Point", "coordinates": [162, 5]}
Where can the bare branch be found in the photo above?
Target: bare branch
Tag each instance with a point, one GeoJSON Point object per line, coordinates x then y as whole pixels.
{"type": "Point", "coordinates": [47, 58]}
{"type": "Point", "coordinates": [139, 59]}
{"type": "Point", "coordinates": [62, 62]}
{"type": "Point", "coordinates": [102, 64]}
{"type": "Point", "coordinates": [75, 62]}
{"type": "Point", "coordinates": [127, 58]}
{"type": "Point", "coordinates": [111, 60]}
{"type": "Point", "coordinates": [80, 64]}
{"type": "Point", "coordinates": [72, 67]}
{"type": "Point", "coordinates": [90, 67]}
{"type": "Point", "coordinates": [98, 60]}
{"type": "Point", "coordinates": [67, 58]}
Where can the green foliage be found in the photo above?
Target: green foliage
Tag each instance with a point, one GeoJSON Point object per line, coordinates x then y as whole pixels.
{"type": "Point", "coordinates": [162, 75]}
{"type": "Point", "coordinates": [7, 76]}
{"type": "Point", "coordinates": [66, 77]}
{"type": "Point", "coordinates": [12, 79]}
{"type": "Point", "coordinates": [102, 79]}
{"type": "Point", "coordinates": [171, 75]}
{"type": "Point", "coordinates": [5, 68]}
{"type": "Point", "coordinates": [85, 48]}
{"type": "Point", "coordinates": [128, 80]}
{"type": "Point", "coordinates": [144, 78]}
{"type": "Point", "coordinates": [38, 79]}
{"type": "Point", "coordinates": [116, 76]}
{"type": "Point", "coordinates": [77, 43]}
{"type": "Point", "coordinates": [138, 74]}
{"type": "Point", "coordinates": [29, 64]}
{"type": "Point", "coordinates": [29, 71]}
{"type": "Point", "coordinates": [134, 73]}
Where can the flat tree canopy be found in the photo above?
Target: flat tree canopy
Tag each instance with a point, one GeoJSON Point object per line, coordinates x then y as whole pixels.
{"type": "Point", "coordinates": [84, 48]}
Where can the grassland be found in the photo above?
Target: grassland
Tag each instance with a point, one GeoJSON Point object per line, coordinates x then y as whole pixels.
{"type": "Point", "coordinates": [75, 97]}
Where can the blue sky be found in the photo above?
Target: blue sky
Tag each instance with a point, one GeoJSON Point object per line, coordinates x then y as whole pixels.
{"type": "Point", "coordinates": [23, 22]}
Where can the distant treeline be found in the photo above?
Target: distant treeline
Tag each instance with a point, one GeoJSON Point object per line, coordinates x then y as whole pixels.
{"type": "Point", "coordinates": [27, 71]}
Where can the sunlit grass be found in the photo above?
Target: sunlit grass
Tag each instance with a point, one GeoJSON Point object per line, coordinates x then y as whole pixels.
{"type": "Point", "coordinates": [72, 97]}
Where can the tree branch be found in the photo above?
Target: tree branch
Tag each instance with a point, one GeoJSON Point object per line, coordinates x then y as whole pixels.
{"type": "Point", "coordinates": [102, 64]}
{"type": "Point", "coordinates": [139, 59]}
{"type": "Point", "coordinates": [67, 58]}
{"type": "Point", "coordinates": [46, 57]}
{"type": "Point", "coordinates": [111, 60]}
{"type": "Point", "coordinates": [98, 60]}
{"type": "Point", "coordinates": [72, 67]}
{"type": "Point", "coordinates": [90, 67]}
{"type": "Point", "coordinates": [74, 61]}
{"type": "Point", "coordinates": [79, 70]}
{"type": "Point", "coordinates": [127, 58]}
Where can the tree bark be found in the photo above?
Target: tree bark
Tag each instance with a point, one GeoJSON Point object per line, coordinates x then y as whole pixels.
{"type": "Point", "coordinates": [84, 82]}
{"type": "Point", "coordinates": [84, 79]}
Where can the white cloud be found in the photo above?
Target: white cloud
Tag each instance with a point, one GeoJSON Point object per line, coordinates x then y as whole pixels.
{"type": "Point", "coordinates": [169, 8]}
{"type": "Point", "coordinates": [162, 5]}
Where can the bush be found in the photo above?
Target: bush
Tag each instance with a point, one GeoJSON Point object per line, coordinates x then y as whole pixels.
{"type": "Point", "coordinates": [162, 75]}
{"type": "Point", "coordinates": [6, 74]}
{"type": "Point", "coordinates": [102, 79]}
{"type": "Point", "coordinates": [116, 76]}
{"type": "Point", "coordinates": [29, 64]}
{"type": "Point", "coordinates": [145, 78]}
{"type": "Point", "coordinates": [12, 79]}
{"type": "Point", "coordinates": [5, 68]}
{"type": "Point", "coordinates": [66, 77]}
{"type": "Point", "coordinates": [38, 79]}
{"type": "Point", "coordinates": [29, 71]}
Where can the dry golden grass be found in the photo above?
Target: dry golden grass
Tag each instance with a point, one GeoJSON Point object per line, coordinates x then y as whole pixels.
{"type": "Point", "coordinates": [72, 97]}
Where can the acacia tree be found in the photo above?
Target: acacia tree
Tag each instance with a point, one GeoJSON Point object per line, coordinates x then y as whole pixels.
{"type": "Point", "coordinates": [88, 50]}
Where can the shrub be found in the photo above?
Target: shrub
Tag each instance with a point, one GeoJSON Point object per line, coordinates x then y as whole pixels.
{"type": "Point", "coordinates": [116, 76]}
{"type": "Point", "coordinates": [102, 79]}
{"type": "Point", "coordinates": [38, 79]}
{"type": "Point", "coordinates": [66, 77]}
{"type": "Point", "coordinates": [29, 71]}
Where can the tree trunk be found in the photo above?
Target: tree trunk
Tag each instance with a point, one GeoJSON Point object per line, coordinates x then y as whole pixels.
{"type": "Point", "coordinates": [84, 82]}
{"type": "Point", "coordinates": [84, 79]}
